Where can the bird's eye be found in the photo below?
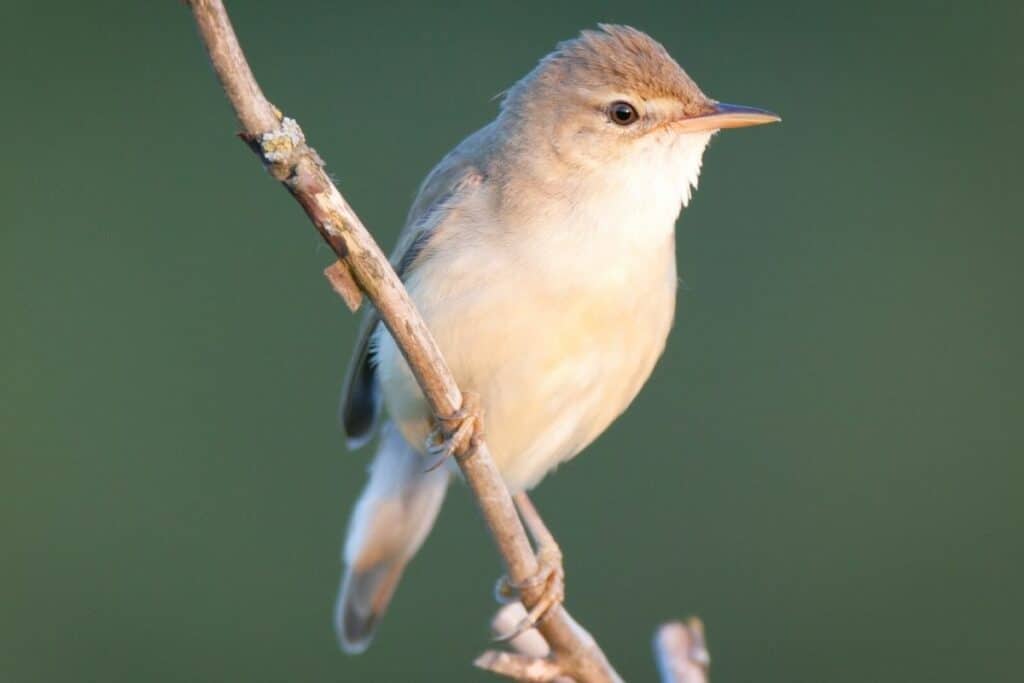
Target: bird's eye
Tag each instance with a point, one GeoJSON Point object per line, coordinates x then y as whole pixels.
{"type": "Point", "coordinates": [622, 113]}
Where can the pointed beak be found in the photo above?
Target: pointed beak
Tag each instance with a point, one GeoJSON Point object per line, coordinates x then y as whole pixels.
{"type": "Point", "coordinates": [723, 115]}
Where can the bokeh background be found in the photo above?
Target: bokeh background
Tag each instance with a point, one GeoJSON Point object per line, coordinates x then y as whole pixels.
{"type": "Point", "coordinates": [826, 467]}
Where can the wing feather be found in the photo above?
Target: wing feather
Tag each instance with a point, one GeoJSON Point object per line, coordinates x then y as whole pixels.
{"type": "Point", "coordinates": [445, 188]}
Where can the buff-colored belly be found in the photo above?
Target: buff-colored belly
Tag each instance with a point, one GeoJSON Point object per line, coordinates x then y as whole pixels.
{"type": "Point", "coordinates": [553, 366]}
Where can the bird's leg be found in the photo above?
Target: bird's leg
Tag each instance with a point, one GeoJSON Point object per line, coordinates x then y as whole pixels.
{"type": "Point", "coordinates": [455, 434]}
{"type": "Point", "coordinates": [550, 573]}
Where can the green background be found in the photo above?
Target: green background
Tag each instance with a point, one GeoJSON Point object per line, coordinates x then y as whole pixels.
{"type": "Point", "coordinates": [826, 465]}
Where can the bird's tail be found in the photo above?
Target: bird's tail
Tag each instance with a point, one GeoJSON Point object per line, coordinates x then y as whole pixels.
{"type": "Point", "coordinates": [392, 518]}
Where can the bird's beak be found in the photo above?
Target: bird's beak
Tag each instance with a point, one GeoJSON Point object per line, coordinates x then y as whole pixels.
{"type": "Point", "coordinates": [721, 115]}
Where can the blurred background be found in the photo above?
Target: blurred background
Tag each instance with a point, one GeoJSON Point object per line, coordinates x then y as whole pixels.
{"type": "Point", "coordinates": [826, 466]}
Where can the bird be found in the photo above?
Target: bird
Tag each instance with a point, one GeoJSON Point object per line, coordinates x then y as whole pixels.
{"type": "Point", "coordinates": [540, 252]}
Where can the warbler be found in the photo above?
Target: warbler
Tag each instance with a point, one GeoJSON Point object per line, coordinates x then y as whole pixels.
{"type": "Point", "coordinates": [541, 254]}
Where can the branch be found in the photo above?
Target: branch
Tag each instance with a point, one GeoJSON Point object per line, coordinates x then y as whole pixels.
{"type": "Point", "coordinates": [679, 650]}
{"type": "Point", "coordinates": [532, 658]}
{"type": "Point", "coordinates": [280, 143]}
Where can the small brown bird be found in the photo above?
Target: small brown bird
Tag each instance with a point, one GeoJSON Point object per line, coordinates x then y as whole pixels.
{"type": "Point", "coordinates": [541, 254]}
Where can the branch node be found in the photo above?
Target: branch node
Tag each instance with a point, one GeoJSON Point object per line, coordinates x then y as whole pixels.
{"type": "Point", "coordinates": [279, 145]}
{"type": "Point", "coordinates": [283, 148]}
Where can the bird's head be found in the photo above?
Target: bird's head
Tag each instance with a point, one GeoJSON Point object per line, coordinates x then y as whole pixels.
{"type": "Point", "coordinates": [614, 97]}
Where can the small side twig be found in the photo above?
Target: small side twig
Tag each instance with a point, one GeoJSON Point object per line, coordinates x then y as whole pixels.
{"type": "Point", "coordinates": [521, 667]}
{"type": "Point", "coordinates": [344, 285]}
{"type": "Point", "coordinates": [681, 652]}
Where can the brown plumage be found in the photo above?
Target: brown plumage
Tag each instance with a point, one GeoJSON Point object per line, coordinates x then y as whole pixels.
{"type": "Point", "coordinates": [605, 59]}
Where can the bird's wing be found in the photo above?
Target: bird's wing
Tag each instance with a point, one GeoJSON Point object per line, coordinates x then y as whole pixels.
{"type": "Point", "coordinates": [451, 182]}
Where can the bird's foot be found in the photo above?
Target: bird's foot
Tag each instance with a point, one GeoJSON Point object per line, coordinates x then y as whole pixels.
{"type": "Point", "coordinates": [456, 434]}
{"type": "Point", "coordinates": [549, 579]}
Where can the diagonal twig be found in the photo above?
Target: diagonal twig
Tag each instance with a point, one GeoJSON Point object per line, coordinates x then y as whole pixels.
{"type": "Point", "coordinates": [280, 143]}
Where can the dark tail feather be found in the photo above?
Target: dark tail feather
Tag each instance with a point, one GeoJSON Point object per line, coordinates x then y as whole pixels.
{"type": "Point", "coordinates": [362, 601]}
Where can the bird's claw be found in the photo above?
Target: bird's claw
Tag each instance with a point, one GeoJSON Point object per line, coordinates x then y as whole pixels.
{"type": "Point", "coordinates": [456, 434]}
{"type": "Point", "coordinates": [550, 575]}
